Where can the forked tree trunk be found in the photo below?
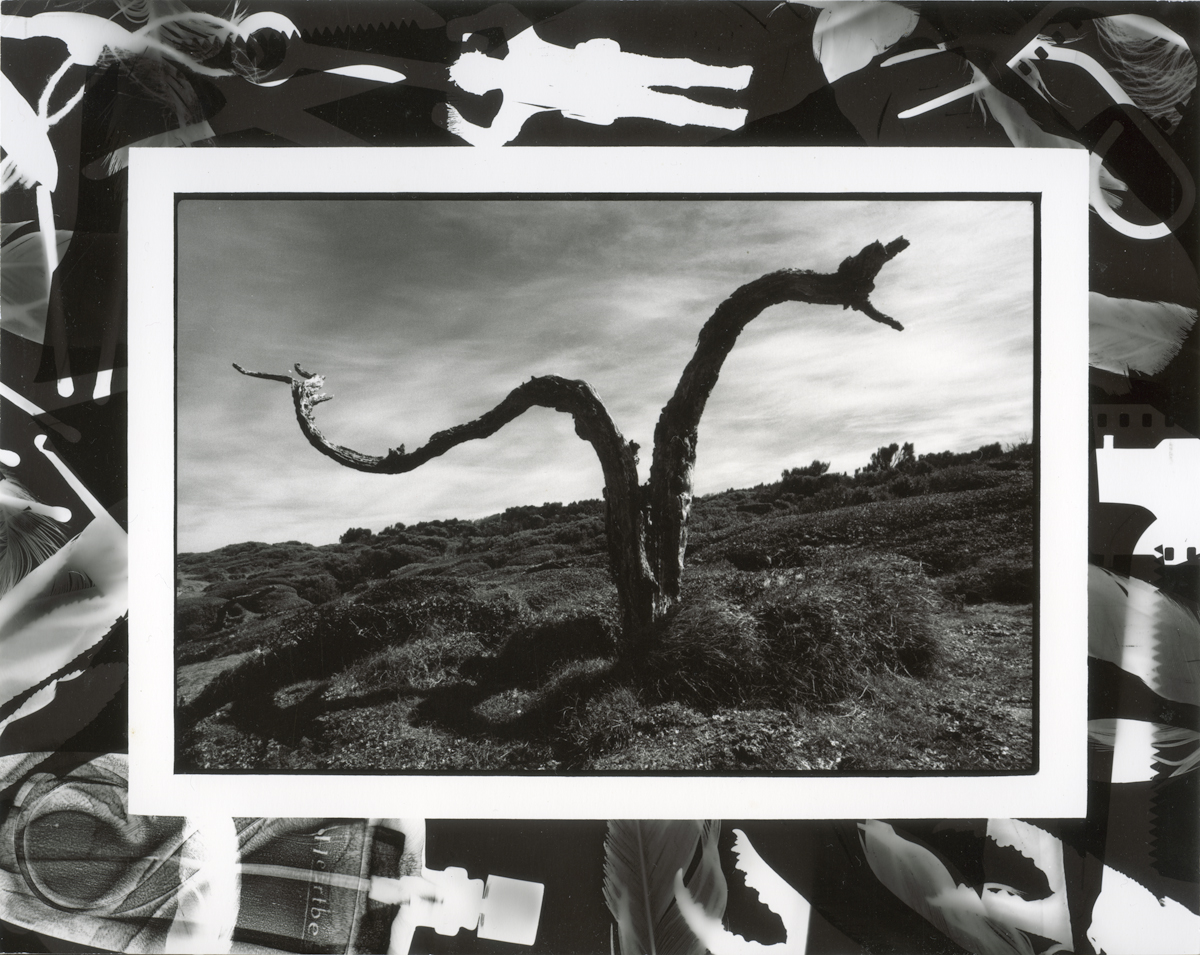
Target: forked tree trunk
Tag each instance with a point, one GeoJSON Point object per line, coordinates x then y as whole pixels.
{"type": "Point", "coordinates": [646, 524]}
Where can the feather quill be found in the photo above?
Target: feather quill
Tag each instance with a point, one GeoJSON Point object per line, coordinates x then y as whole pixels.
{"type": "Point", "coordinates": [642, 858]}
{"type": "Point", "coordinates": [1130, 335]}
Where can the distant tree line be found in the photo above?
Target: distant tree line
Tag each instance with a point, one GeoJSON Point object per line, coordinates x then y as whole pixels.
{"type": "Point", "coordinates": [897, 471]}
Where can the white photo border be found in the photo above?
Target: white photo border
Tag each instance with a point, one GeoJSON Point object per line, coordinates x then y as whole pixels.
{"type": "Point", "coordinates": [1060, 177]}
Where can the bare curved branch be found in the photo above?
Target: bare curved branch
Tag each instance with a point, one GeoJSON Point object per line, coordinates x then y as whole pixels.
{"type": "Point", "coordinates": [675, 434]}
{"type": "Point", "coordinates": [577, 398]}
{"type": "Point", "coordinates": [618, 460]}
{"type": "Point", "coordinates": [850, 286]}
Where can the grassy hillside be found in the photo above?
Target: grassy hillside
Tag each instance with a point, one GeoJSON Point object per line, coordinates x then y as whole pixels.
{"type": "Point", "coordinates": [831, 622]}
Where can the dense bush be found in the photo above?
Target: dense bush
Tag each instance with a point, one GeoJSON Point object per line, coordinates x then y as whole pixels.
{"type": "Point", "coordinates": [907, 486]}
{"type": "Point", "coordinates": [196, 616]}
{"type": "Point", "coordinates": [354, 535]}
{"type": "Point", "coordinates": [806, 485]}
{"type": "Point", "coordinates": [317, 588]}
{"type": "Point", "coordinates": [600, 724]}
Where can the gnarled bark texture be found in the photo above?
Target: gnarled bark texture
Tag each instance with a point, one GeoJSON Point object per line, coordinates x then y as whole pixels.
{"type": "Point", "coordinates": [646, 525]}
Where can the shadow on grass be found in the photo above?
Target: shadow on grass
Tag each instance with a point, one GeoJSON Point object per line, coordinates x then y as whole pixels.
{"type": "Point", "coordinates": [297, 719]}
{"type": "Point", "coordinates": [520, 692]}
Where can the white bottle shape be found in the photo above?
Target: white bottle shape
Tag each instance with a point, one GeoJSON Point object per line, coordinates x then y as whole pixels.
{"type": "Point", "coordinates": [506, 910]}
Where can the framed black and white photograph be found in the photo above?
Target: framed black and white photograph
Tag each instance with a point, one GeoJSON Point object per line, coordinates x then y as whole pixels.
{"type": "Point", "coordinates": [808, 537]}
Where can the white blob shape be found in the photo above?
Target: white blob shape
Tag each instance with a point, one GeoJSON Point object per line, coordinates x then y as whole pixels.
{"type": "Point", "coordinates": [1133, 752]}
{"type": "Point", "coordinates": [1139, 747]}
{"type": "Point", "coordinates": [365, 71]}
{"type": "Point", "coordinates": [66, 387]}
{"type": "Point", "coordinates": [849, 35]}
{"type": "Point", "coordinates": [1127, 919]}
{"type": "Point", "coordinates": [1162, 480]}
{"type": "Point", "coordinates": [60, 514]}
{"type": "Point", "coordinates": [773, 891]}
{"type": "Point", "coordinates": [14, 502]}
{"type": "Point", "coordinates": [103, 384]}
{"type": "Point", "coordinates": [68, 475]}
{"type": "Point", "coordinates": [9, 458]}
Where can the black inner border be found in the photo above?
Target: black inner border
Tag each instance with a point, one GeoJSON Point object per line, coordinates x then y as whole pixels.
{"type": "Point", "coordinates": [1034, 197]}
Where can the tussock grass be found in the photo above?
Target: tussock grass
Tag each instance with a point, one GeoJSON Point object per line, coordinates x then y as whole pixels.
{"type": "Point", "coordinates": [429, 660]}
{"type": "Point", "coordinates": [802, 638]}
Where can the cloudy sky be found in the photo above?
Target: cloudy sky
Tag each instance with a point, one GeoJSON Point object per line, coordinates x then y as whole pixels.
{"type": "Point", "coordinates": [424, 314]}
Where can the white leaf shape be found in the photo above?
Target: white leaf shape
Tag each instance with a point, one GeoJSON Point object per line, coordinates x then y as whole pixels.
{"type": "Point", "coordinates": [919, 879]}
{"type": "Point", "coordinates": [773, 891]}
{"type": "Point", "coordinates": [366, 71]}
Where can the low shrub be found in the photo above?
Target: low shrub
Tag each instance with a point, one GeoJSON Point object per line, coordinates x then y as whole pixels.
{"type": "Point", "coordinates": [806, 485]}
{"type": "Point", "coordinates": [962, 477]}
{"type": "Point", "coordinates": [859, 495]}
{"type": "Point", "coordinates": [538, 554]}
{"type": "Point", "coordinates": [994, 580]}
{"type": "Point", "coordinates": [468, 568]}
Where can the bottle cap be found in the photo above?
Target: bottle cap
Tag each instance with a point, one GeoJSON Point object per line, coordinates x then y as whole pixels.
{"type": "Point", "coordinates": [511, 910]}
